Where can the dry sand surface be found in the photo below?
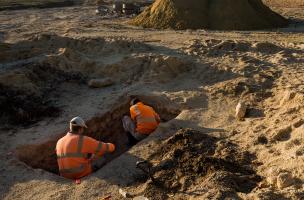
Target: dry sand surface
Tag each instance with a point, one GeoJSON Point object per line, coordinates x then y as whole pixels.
{"type": "Point", "coordinates": [285, 3]}
{"type": "Point", "coordinates": [193, 78]}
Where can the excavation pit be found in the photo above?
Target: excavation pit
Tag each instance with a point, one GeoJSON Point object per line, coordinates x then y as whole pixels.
{"type": "Point", "coordinates": [106, 127]}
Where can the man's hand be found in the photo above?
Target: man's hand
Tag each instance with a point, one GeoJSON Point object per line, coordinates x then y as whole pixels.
{"type": "Point", "coordinates": [93, 157]}
{"type": "Point", "coordinates": [157, 118]}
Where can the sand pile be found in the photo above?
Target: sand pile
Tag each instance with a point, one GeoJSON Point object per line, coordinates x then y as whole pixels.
{"type": "Point", "coordinates": [215, 14]}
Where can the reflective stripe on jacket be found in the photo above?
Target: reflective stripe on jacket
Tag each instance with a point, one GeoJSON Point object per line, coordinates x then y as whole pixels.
{"type": "Point", "coordinates": [146, 118]}
{"type": "Point", "coordinates": [72, 154]}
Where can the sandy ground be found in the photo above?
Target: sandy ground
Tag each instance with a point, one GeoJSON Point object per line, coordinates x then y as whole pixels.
{"type": "Point", "coordinates": [204, 74]}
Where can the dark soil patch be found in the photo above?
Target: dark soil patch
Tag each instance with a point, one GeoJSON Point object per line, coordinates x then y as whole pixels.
{"type": "Point", "coordinates": [26, 4]}
{"type": "Point", "coordinates": [20, 107]}
{"type": "Point", "coordinates": [261, 140]}
{"type": "Point", "coordinates": [254, 113]}
{"type": "Point", "coordinates": [191, 159]}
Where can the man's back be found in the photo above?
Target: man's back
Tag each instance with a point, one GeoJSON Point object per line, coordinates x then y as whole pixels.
{"type": "Point", "coordinates": [145, 116]}
{"type": "Point", "coordinates": [72, 154]}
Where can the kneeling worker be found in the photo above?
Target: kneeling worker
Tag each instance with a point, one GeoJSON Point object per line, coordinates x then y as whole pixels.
{"type": "Point", "coordinates": [75, 151]}
{"type": "Point", "coordinates": [144, 120]}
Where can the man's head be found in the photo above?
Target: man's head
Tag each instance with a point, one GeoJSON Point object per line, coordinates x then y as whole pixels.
{"type": "Point", "coordinates": [77, 125]}
{"type": "Point", "coordinates": [134, 101]}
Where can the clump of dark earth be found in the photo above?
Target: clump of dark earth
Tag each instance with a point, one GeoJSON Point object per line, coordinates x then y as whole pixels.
{"type": "Point", "coordinates": [261, 140]}
{"type": "Point", "coordinates": [191, 159]}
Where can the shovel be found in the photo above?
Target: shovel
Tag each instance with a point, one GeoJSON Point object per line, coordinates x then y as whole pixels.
{"type": "Point", "coordinates": [145, 166]}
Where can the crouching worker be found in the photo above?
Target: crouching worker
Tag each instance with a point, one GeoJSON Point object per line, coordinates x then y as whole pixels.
{"type": "Point", "coordinates": [143, 121]}
{"type": "Point", "coordinates": [75, 151]}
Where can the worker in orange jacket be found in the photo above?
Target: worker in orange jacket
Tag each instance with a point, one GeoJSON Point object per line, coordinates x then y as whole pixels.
{"type": "Point", "coordinates": [143, 121]}
{"type": "Point", "coordinates": [75, 151]}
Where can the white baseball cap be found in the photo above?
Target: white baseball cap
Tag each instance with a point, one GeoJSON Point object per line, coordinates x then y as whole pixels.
{"type": "Point", "coordinates": [78, 121]}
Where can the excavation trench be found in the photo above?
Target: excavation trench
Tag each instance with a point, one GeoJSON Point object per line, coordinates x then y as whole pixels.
{"type": "Point", "coordinates": [106, 127]}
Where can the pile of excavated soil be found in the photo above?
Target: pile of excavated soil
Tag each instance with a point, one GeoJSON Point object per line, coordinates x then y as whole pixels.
{"type": "Point", "coordinates": [191, 161]}
{"type": "Point", "coordinates": [215, 14]}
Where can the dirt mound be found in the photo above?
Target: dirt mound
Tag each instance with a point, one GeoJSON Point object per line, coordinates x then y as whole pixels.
{"type": "Point", "coordinates": [191, 160]}
{"type": "Point", "coordinates": [215, 14]}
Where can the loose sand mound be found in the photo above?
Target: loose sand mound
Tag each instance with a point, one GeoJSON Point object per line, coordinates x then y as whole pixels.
{"type": "Point", "coordinates": [215, 14]}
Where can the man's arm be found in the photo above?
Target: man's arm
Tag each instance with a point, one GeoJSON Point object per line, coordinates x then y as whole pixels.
{"type": "Point", "coordinates": [133, 114]}
{"type": "Point", "coordinates": [96, 147]}
{"type": "Point", "coordinates": [157, 117]}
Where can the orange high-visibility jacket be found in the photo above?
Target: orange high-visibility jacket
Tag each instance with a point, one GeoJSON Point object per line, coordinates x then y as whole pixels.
{"type": "Point", "coordinates": [146, 118]}
{"type": "Point", "coordinates": [72, 154]}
